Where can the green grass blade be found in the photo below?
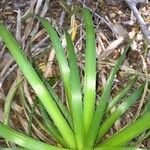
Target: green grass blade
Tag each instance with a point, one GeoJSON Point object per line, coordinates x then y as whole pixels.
{"type": "Point", "coordinates": [121, 94]}
{"type": "Point", "coordinates": [121, 109]}
{"type": "Point", "coordinates": [23, 140]}
{"type": "Point", "coordinates": [130, 132]}
{"type": "Point", "coordinates": [119, 148]}
{"type": "Point", "coordinates": [38, 87]}
{"type": "Point", "coordinates": [60, 104]}
{"type": "Point", "coordinates": [142, 138]}
{"type": "Point", "coordinates": [147, 107]}
{"type": "Point", "coordinates": [31, 114]}
{"type": "Point", "coordinates": [13, 148]}
{"type": "Point", "coordinates": [52, 130]}
{"type": "Point", "coordinates": [23, 99]}
{"type": "Point", "coordinates": [9, 99]}
{"type": "Point", "coordinates": [48, 126]}
{"type": "Point", "coordinates": [77, 111]}
{"type": "Point", "coordinates": [60, 55]}
{"type": "Point", "coordinates": [90, 71]}
{"type": "Point", "coordinates": [103, 101]}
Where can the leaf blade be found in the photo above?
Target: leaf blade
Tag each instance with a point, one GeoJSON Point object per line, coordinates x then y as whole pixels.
{"type": "Point", "coordinates": [77, 112]}
{"type": "Point", "coordinates": [121, 94]}
{"type": "Point", "coordinates": [60, 55]}
{"type": "Point", "coordinates": [103, 101]}
{"type": "Point", "coordinates": [127, 134]}
{"type": "Point", "coordinates": [38, 86]}
{"type": "Point", "coordinates": [90, 71]}
{"type": "Point", "coordinates": [23, 140]}
{"type": "Point", "coordinates": [120, 111]}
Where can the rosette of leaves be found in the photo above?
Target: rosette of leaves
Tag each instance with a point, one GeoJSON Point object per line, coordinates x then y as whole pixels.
{"type": "Point", "coordinates": [81, 124]}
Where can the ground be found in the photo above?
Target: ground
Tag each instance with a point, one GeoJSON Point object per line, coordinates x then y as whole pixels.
{"type": "Point", "coordinates": [114, 23]}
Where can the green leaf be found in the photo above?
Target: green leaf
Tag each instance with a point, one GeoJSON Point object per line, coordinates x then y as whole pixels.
{"type": "Point", "coordinates": [13, 148]}
{"type": "Point", "coordinates": [60, 55]}
{"type": "Point", "coordinates": [107, 124]}
{"type": "Point", "coordinates": [90, 71]}
{"type": "Point", "coordinates": [59, 103]}
{"type": "Point", "coordinates": [77, 112]}
{"type": "Point", "coordinates": [38, 86]}
{"type": "Point", "coordinates": [103, 101]}
{"type": "Point", "coordinates": [10, 98]}
{"type": "Point", "coordinates": [51, 129]}
{"type": "Point", "coordinates": [23, 140]}
{"type": "Point", "coordinates": [121, 94]}
{"type": "Point", "coordinates": [31, 115]}
{"type": "Point", "coordinates": [147, 107]}
{"type": "Point", "coordinates": [130, 132]}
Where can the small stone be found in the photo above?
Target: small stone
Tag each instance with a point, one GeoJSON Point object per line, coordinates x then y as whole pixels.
{"type": "Point", "coordinates": [112, 15]}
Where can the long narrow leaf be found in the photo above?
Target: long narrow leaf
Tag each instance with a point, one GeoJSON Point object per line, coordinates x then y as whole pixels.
{"type": "Point", "coordinates": [51, 129]}
{"type": "Point", "coordinates": [13, 148]}
{"type": "Point", "coordinates": [60, 104]}
{"type": "Point", "coordinates": [103, 101]}
{"type": "Point", "coordinates": [107, 124]}
{"type": "Point", "coordinates": [38, 87]}
{"type": "Point", "coordinates": [31, 115]}
{"type": "Point", "coordinates": [60, 55]}
{"type": "Point", "coordinates": [48, 126]}
{"type": "Point", "coordinates": [121, 94]}
{"type": "Point", "coordinates": [23, 140]}
{"type": "Point", "coordinates": [9, 99]}
{"type": "Point", "coordinates": [90, 71]}
{"type": "Point", "coordinates": [130, 132]}
{"type": "Point", "coordinates": [77, 111]}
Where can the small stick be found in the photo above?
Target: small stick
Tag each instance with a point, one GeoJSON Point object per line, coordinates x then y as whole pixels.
{"type": "Point", "coordinates": [132, 4]}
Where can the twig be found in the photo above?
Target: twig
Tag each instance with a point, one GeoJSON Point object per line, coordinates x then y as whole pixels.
{"type": "Point", "coordinates": [132, 4]}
